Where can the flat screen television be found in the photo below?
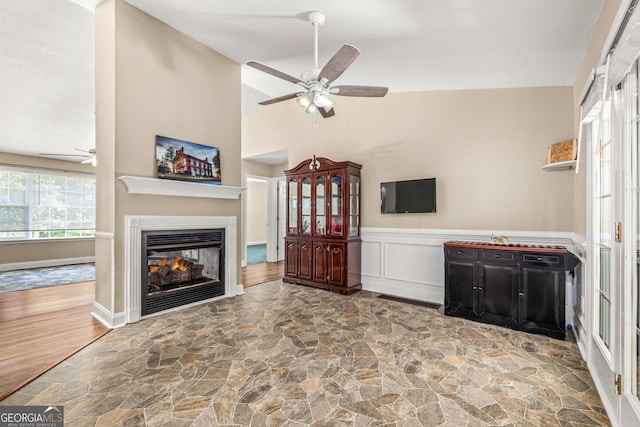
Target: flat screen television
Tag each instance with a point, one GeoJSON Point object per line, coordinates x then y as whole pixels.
{"type": "Point", "coordinates": [414, 196]}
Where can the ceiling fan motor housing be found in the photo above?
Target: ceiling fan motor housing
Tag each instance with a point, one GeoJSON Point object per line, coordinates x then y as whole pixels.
{"type": "Point", "coordinates": [316, 18]}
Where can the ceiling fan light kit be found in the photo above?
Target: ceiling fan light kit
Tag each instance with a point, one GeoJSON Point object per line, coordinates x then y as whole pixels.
{"type": "Point", "coordinates": [317, 81]}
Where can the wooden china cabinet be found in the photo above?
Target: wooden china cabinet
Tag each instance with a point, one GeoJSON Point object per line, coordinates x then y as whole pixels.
{"type": "Point", "coordinates": [322, 245]}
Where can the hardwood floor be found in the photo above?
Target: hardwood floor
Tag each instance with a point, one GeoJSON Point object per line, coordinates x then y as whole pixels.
{"type": "Point", "coordinates": [255, 274]}
{"type": "Point", "coordinates": [39, 328]}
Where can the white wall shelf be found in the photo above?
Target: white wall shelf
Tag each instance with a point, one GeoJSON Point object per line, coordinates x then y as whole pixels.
{"type": "Point", "coordinates": [570, 164]}
{"type": "Point", "coordinates": [167, 187]}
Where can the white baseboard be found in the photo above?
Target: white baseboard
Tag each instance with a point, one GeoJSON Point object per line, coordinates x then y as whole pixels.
{"type": "Point", "coordinates": [257, 242]}
{"type": "Point", "coordinates": [46, 263]}
{"type": "Point", "coordinates": [428, 293]}
{"type": "Point", "coordinates": [106, 317]}
{"type": "Point", "coordinates": [240, 289]}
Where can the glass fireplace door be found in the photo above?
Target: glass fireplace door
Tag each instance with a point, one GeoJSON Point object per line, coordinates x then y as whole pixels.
{"type": "Point", "coordinates": [181, 267]}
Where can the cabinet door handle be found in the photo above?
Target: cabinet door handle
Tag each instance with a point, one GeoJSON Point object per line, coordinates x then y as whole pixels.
{"type": "Point", "coordinates": [460, 252]}
{"type": "Point", "coordinates": [497, 255]}
{"type": "Point", "coordinates": [520, 294]}
{"type": "Point", "coordinates": [475, 288]}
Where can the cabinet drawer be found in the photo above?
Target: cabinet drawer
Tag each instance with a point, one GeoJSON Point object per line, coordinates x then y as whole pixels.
{"type": "Point", "coordinates": [491, 255]}
{"type": "Point", "coordinates": [462, 253]}
{"type": "Point", "coordinates": [542, 259]}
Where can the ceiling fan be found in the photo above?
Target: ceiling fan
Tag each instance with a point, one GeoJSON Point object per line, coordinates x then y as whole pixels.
{"type": "Point", "coordinates": [90, 155]}
{"type": "Point", "coordinates": [317, 82]}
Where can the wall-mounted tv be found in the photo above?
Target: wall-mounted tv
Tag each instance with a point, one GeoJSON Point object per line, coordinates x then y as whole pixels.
{"type": "Point", "coordinates": [414, 196]}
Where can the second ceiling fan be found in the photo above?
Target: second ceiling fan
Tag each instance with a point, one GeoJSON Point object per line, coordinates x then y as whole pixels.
{"type": "Point", "coordinates": [317, 82]}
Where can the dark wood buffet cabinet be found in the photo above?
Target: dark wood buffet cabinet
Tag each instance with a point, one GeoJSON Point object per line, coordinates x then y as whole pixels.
{"type": "Point", "coordinates": [521, 287]}
{"type": "Point", "coordinates": [322, 245]}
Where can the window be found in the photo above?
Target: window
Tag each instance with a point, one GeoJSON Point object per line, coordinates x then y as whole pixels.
{"type": "Point", "coordinates": [41, 204]}
{"type": "Point", "coordinates": [606, 224]}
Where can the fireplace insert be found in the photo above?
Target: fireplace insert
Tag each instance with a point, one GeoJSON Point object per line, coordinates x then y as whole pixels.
{"type": "Point", "coordinates": [181, 267]}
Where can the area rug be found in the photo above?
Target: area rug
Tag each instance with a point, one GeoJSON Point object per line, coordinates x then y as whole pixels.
{"type": "Point", "coordinates": [17, 280]}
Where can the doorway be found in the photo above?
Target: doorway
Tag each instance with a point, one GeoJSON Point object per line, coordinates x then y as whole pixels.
{"type": "Point", "coordinates": [610, 339]}
{"type": "Point", "coordinates": [264, 219]}
{"type": "Point", "coordinates": [256, 220]}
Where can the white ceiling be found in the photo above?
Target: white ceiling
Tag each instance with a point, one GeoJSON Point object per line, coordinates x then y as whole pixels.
{"type": "Point", "coordinates": [46, 75]}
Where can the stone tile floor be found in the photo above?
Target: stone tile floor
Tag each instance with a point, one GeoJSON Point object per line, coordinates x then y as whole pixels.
{"type": "Point", "coordinates": [291, 355]}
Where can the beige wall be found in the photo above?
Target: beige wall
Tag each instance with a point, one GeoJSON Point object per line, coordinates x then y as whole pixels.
{"type": "Point", "coordinates": [156, 81]}
{"type": "Point", "coordinates": [250, 167]}
{"type": "Point", "coordinates": [485, 147]}
{"type": "Point", "coordinates": [590, 61]}
{"type": "Point", "coordinates": [261, 169]}
{"type": "Point", "coordinates": [278, 170]}
{"type": "Point", "coordinates": [19, 252]}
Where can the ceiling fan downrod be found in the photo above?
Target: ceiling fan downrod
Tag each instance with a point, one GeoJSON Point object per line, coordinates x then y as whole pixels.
{"type": "Point", "coordinates": [317, 19]}
{"type": "Point", "coordinates": [315, 97]}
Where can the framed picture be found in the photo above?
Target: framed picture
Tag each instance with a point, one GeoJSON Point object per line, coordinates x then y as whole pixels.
{"type": "Point", "coordinates": [187, 161]}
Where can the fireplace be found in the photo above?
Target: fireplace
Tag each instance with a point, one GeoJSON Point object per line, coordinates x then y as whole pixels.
{"type": "Point", "coordinates": [181, 267]}
{"type": "Point", "coordinates": [137, 265]}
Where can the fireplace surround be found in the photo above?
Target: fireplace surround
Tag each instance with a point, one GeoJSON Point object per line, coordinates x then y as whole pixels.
{"type": "Point", "coordinates": [136, 271]}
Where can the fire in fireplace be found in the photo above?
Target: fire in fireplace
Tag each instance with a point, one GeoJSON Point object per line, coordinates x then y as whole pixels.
{"type": "Point", "coordinates": [173, 273]}
{"type": "Point", "coordinates": [181, 267]}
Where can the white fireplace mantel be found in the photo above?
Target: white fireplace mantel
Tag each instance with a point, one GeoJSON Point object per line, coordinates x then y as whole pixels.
{"type": "Point", "coordinates": [167, 187]}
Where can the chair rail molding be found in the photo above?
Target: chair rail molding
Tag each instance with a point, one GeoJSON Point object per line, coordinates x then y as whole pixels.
{"type": "Point", "coordinates": [409, 263]}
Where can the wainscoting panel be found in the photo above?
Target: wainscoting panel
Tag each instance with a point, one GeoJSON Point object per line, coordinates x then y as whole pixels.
{"type": "Point", "coordinates": [414, 263]}
{"type": "Point", "coordinates": [371, 259]}
{"type": "Point", "coordinates": [409, 263]}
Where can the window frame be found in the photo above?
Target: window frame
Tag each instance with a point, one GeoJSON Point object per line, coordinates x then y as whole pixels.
{"type": "Point", "coordinates": [28, 235]}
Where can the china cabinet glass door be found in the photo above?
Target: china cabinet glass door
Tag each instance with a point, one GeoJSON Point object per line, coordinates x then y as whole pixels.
{"type": "Point", "coordinates": [292, 227]}
{"type": "Point", "coordinates": [321, 203]}
{"type": "Point", "coordinates": [336, 205]}
{"type": "Point", "coordinates": [354, 205]}
{"type": "Point", "coordinates": [305, 217]}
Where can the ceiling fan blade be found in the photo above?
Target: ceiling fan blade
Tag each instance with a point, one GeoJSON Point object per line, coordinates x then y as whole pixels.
{"type": "Point", "coordinates": [326, 114]}
{"type": "Point", "coordinates": [273, 72]}
{"type": "Point", "coordinates": [340, 62]}
{"type": "Point", "coordinates": [359, 90]}
{"type": "Point", "coordinates": [278, 99]}
{"type": "Point", "coordinates": [90, 151]}
{"type": "Point", "coordinates": [61, 155]}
